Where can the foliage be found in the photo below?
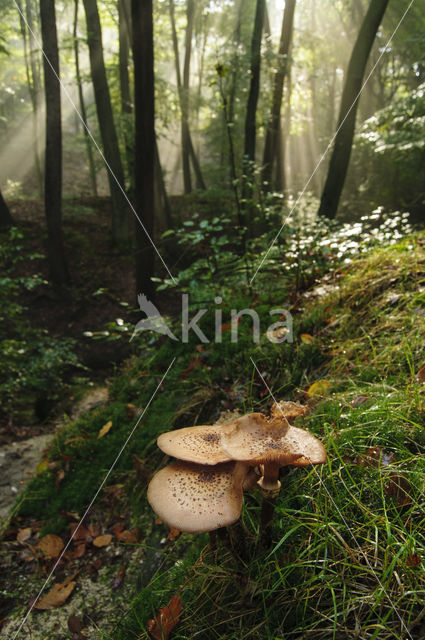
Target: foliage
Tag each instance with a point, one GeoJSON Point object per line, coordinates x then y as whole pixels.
{"type": "Point", "coordinates": [390, 154]}
{"type": "Point", "coordinates": [32, 363]}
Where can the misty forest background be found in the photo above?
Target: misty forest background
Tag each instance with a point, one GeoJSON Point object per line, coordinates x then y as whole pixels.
{"type": "Point", "coordinates": [254, 154]}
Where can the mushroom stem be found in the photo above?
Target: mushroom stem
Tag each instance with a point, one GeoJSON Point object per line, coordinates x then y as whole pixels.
{"type": "Point", "coordinates": [270, 485]}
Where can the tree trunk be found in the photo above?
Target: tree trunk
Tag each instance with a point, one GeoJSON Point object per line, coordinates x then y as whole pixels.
{"type": "Point", "coordinates": [144, 151]}
{"type": "Point", "coordinates": [254, 89]}
{"type": "Point", "coordinates": [273, 135]}
{"type": "Point", "coordinates": [124, 25]}
{"type": "Point", "coordinates": [83, 112]}
{"type": "Point", "coordinates": [349, 102]}
{"type": "Point", "coordinates": [33, 80]}
{"type": "Point", "coordinates": [188, 152]}
{"type": "Point", "coordinates": [120, 208]}
{"type": "Point", "coordinates": [53, 157]}
{"type": "Point", "coordinates": [6, 219]}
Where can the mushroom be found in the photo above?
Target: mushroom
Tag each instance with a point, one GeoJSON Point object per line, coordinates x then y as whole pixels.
{"type": "Point", "coordinates": [196, 498]}
{"type": "Point", "coordinates": [271, 444]}
{"type": "Point", "coordinates": [203, 491]}
{"type": "Point", "coordinates": [200, 444]}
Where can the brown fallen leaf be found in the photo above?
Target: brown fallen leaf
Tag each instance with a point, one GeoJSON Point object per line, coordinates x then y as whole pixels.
{"type": "Point", "coordinates": [50, 545]}
{"type": "Point", "coordinates": [127, 536]}
{"type": "Point", "coordinates": [102, 541]}
{"type": "Point", "coordinates": [173, 534]}
{"type": "Point", "coordinates": [105, 429]}
{"type": "Point", "coordinates": [399, 489]}
{"type": "Point", "coordinates": [166, 619]}
{"type": "Point", "coordinates": [58, 595]}
{"type": "Point", "coordinates": [79, 551]}
{"type": "Point", "coordinates": [24, 535]}
{"type": "Point", "coordinates": [59, 477]}
{"type": "Point", "coordinates": [82, 533]}
{"type": "Point", "coordinates": [420, 376]}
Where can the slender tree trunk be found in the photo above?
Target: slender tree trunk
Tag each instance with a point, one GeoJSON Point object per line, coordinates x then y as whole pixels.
{"type": "Point", "coordinates": [162, 203]}
{"type": "Point", "coordinates": [83, 112]}
{"type": "Point", "coordinates": [53, 157]}
{"type": "Point", "coordinates": [188, 152]}
{"type": "Point", "coordinates": [272, 134]}
{"type": "Point", "coordinates": [251, 111]}
{"type": "Point", "coordinates": [120, 209]}
{"type": "Point", "coordinates": [144, 152]}
{"type": "Point", "coordinates": [6, 219]}
{"type": "Point", "coordinates": [124, 11]}
{"type": "Point", "coordinates": [34, 83]}
{"type": "Point", "coordinates": [346, 122]}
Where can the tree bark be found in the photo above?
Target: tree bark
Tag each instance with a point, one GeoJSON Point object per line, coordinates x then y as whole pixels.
{"type": "Point", "coordinates": [6, 219]}
{"type": "Point", "coordinates": [188, 152]}
{"type": "Point", "coordinates": [124, 26]}
{"type": "Point", "coordinates": [34, 83]}
{"type": "Point", "coordinates": [120, 209]}
{"type": "Point", "coordinates": [347, 118]}
{"type": "Point", "coordinates": [273, 129]}
{"type": "Point", "coordinates": [53, 157]}
{"type": "Point", "coordinates": [83, 112]}
{"type": "Point", "coordinates": [254, 89]}
{"type": "Point", "coordinates": [144, 150]}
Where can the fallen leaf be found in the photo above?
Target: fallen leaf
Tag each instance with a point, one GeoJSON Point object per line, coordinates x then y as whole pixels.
{"type": "Point", "coordinates": [163, 623]}
{"type": "Point", "coordinates": [50, 545]}
{"type": "Point", "coordinates": [287, 409]}
{"type": "Point", "coordinates": [57, 596]}
{"type": "Point", "coordinates": [127, 536]}
{"type": "Point", "coordinates": [319, 388]}
{"type": "Point", "coordinates": [59, 477]}
{"type": "Point", "coordinates": [420, 376]}
{"type": "Point", "coordinates": [413, 561]}
{"type": "Point", "coordinates": [399, 489]}
{"type": "Point", "coordinates": [173, 534]}
{"type": "Point", "coordinates": [42, 466]}
{"type": "Point", "coordinates": [142, 475]}
{"type": "Point", "coordinates": [118, 580]}
{"type": "Point", "coordinates": [102, 541]}
{"type": "Point", "coordinates": [76, 627]}
{"type": "Point", "coordinates": [79, 551]}
{"type": "Point", "coordinates": [377, 455]}
{"type": "Point", "coordinates": [24, 535]}
{"type": "Point", "coordinates": [193, 364]}
{"type": "Point", "coordinates": [306, 338]}
{"type": "Point", "coordinates": [117, 528]}
{"type": "Point", "coordinates": [82, 533]}
{"type": "Point", "coordinates": [105, 429]}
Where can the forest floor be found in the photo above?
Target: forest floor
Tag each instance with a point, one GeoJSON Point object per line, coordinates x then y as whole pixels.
{"type": "Point", "coordinates": [348, 543]}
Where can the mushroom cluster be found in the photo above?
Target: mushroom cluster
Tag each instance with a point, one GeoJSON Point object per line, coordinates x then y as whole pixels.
{"type": "Point", "coordinates": [203, 490]}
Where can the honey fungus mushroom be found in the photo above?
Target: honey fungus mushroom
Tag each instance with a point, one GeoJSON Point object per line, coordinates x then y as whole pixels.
{"type": "Point", "coordinates": [270, 444]}
{"type": "Point", "coordinates": [196, 498]}
{"type": "Point", "coordinates": [200, 444]}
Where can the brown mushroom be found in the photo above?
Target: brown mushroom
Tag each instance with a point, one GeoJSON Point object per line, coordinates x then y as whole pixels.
{"type": "Point", "coordinates": [196, 498]}
{"type": "Point", "coordinates": [200, 444]}
{"type": "Point", "coordinates": [271, 444]}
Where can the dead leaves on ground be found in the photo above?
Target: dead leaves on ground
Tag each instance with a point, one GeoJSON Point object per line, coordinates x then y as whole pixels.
{"type": "Point", "coordinates": [58, 595]}
{"type": "Point", "coordinates": [166, 619]}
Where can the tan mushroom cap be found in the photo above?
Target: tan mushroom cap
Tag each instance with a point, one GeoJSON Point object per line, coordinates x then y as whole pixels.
{"type": "Point", "coordinates": [195, 444]}
{"type": "Point", "coordinates": [197, 498]}
{"type": "Point", "coordinates": [256, 440]}
{"type": "Point", "coordinates": [287, 409]}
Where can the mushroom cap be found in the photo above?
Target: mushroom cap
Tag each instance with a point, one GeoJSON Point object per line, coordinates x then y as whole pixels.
{"type": "Point", "coordinates": [256, 440]}
{"type": "Point", "coordinates": [195, 498]}
{"type": "Point", "coordinates": [287, 409]}
{"type": "Point", "coordinates": [195, 444]}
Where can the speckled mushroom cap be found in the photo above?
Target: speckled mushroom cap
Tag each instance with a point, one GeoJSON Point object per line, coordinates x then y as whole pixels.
{"type": "Point", "coordinates": [195, 444]}
{"type": "Point", "coordinates": [195, 498]}
{"type": "Point", "coordinates": [256, 440]}
{"type": "Point", "coordinates": [287, 409]}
